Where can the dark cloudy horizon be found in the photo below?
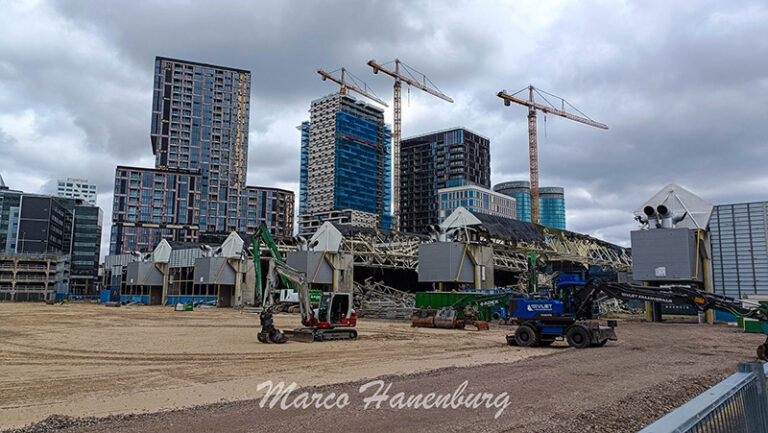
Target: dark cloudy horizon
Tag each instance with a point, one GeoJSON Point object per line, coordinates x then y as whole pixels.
{"type": "Point", "coordinates": [682, 86]}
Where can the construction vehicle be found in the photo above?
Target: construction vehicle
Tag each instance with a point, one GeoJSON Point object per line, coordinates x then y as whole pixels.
{"type": "Point", "coordinates": [332, 320]}
{"type": "Point", "coordinates": [569, 312]}
{"type": "Point", "coordinates": [461, 313]}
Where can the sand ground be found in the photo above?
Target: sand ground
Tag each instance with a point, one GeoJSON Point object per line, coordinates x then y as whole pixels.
{"type": "Point", "coordinates": [91, 360]}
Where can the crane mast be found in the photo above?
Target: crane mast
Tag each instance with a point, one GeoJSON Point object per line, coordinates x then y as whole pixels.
{"type": "Point", "coordinates": [533, 147]}
{"type": "Point", "coordinates": [397, 127]}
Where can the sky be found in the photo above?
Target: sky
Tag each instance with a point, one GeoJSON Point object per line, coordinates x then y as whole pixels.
{"type": "Point", "coordinates": [682, 86]}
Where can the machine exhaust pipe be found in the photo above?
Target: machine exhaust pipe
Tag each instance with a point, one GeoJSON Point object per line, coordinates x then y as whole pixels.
{"type": "Point", "coordinates": [649, 211]}
{"type": "Point", "coordinates": [668, 219]}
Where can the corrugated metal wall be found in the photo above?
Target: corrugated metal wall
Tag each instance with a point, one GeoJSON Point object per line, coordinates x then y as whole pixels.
{"type": "Point", "coordinates": [740, 249]}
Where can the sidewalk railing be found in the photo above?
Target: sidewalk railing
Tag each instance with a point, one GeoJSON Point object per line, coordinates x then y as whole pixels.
{"type": "Point", "coordinates": [737, 404]}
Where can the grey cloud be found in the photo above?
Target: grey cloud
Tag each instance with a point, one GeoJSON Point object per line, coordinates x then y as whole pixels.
{"type": "Point", "coordinates": [682, 87]}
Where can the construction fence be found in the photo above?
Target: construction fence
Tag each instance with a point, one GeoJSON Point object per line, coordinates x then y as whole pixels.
{"type": "Point", "coordinates": [737, 404]}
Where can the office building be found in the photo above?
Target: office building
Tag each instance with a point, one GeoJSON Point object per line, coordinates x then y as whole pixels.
{"type": "Point", "coordinates": [475, 199]}
{"type": "Point", "coordinates": [272, 207]}
{"type": "Point", "coordinates": [552, 207]}
{"type": "Point", "coordinates": [151, 204]}
{"type": "Point", "coordinates": [551, 202]}
{"type": "Point", "coordinates": [85, 250]}
{"type": "Point", "coordinates": [521, 191]}
{"type": "Point", "coordinates": [200, 122]}
{"type": "Point", "coordinates": [429, 162]}
{"type": "Point", "coordinates": [345, 171]}
{"type": "Point", "coordinates": [77, 189]}
{"type": "Point", "coordinates": [48, 245]}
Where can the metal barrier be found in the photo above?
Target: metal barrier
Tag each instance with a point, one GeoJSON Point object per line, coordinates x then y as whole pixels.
{"type": "Point", "coordinates": [737, 404]}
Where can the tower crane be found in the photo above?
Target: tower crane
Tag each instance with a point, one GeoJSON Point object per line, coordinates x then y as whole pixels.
{"type": "Point", "coordinates": [410, 80]}
{"type": "Point", "coordinates": [533, 149]}
{"type": "Point", "coordinates": [348, 85]}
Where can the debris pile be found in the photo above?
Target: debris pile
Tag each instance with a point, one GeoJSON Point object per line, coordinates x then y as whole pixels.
{"type": "Point", "coordinates": [374, 299]}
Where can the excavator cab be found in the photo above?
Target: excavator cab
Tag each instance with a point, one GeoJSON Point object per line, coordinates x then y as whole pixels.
{"type": "Point", "coordinates": [336, 310]}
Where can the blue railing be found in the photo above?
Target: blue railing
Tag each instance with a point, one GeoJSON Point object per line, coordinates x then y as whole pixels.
{"type": "Point", "coordinates": [737, 404]}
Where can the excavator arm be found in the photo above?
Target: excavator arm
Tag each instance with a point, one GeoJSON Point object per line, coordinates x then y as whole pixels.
{"type": "Point", "coordinates": [672, 295]}
{"type": "Point", "coordinates": [262, 235]}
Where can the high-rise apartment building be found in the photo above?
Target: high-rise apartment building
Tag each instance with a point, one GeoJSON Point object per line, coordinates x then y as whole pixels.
{"type": "Point", "coordinates": [199, 136]}
{"type": "Point", "coordinates": [77, 189]}
{"type": "Point", "coordinates": [552, 207]}
{"type": "Point", "coordinates": [429, 162]}
{"type": "Point", "coordinates": [551, 202]}
{"type": "Point", "coordinates": [475, 199]}
{"type": "Point", "coordinates": [272, 207]}
{"type": "Point", "coordinates": [345, 165]}
{"type": "Point", "coordinates": [521, 191]}
{"type": "Point", "coordinates": [151, 204]}
{"type": "Point", "coordinates": [200, 122]}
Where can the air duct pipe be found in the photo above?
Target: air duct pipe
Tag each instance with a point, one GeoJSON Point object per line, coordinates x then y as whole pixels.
{"type": "Point", "coordinates": [652, 218]}
{"type": "Point", "coordinates": [668, 219]}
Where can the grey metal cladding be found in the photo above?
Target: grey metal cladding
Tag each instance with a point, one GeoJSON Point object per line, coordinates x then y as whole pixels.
{"type": "Point", "coordinates": [740, 249]}
{"type": "Point", "coordinates": [443, 262]}
{"type": "Point", "coordinates": [185, 257]}
{"type": "Point", "coordinates": [665, 255]}
{"type": "Point", "coordinates": [316, 268]}
{"type": "Point", "coordinates": [213, 270]}
{"type": "Point", "coordinates": [143, 274]}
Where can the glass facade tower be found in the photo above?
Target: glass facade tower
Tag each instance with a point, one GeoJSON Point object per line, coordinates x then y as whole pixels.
{"type": "Point", "coordinates": [200, 122]}
{"type": "Point", "coordinates": [345, 172]}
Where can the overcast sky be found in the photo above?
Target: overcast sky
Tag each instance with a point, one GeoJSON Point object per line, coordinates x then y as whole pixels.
{"type": "Point", "coordinates": [683, 87]}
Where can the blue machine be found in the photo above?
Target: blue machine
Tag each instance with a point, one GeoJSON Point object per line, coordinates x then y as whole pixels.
{"type": "Point", "coordinates": [542, 321]}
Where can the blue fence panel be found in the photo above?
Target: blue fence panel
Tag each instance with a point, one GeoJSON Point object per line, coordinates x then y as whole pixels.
{"type": "Point", "coordinates": [737, 404]}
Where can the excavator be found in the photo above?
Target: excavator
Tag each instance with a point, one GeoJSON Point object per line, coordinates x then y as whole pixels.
{"type": "Point", "coordinates": [334, 319]}
{"type": "Point", "coordinates": [569, 310]}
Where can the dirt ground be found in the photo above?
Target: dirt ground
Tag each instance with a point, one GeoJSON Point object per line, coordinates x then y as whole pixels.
{"type": "Point", "coordinates": [89, 360]}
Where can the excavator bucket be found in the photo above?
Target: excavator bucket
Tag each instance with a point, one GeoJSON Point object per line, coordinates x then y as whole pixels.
{"type": "Point", "coordinates": [300, 335]}
{"type": "Point", "coordinates": [423, 318]}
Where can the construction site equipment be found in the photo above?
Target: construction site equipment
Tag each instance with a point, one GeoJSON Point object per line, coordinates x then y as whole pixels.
{"type": "Point", "coordinates": [268, 333]}
{"type": "Point", "coordinates": [332, 320]}
{"type": "Point", "coordinates": [421, 82]}
{"type": "Point", "coordinates": [466, 309]}
{"type": "Point", "coordinates": [262, 235]}
{"type": "Point", "coordinates": [533, 150]}
{"type": "Point", "coordinates": [568, 312]}
{"type": "Point", "coordinates": [350, 85]}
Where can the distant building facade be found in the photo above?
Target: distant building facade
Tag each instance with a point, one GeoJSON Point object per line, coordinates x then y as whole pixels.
{"type": "Point", "coordinates": [56, 236]}
{"type": "Point", "coordinates": [151, 204]}
{"type": "Point", "coordinates": [521, 191]}
{"type": "Point", "coordinates": [552, 207]}
{"type": "Point", "coordinates": [429, 162]}
{"type": "Point", "coordinates": [475, 199]}
{"type": "Point", "coordinates": [272, 207]}
{"type": "Point", "coordinates": [739, 240]}
{"type": "Point", "coordinates": [76, 189]}
{"type": "Point", "coordinates": [199, 137]}
{"type": "Point", "coordinates": [345, 164]}
{"type": "Point", "coordinates": [551, 202]}
{"type": "Point", "coordinates": [200, 122]}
